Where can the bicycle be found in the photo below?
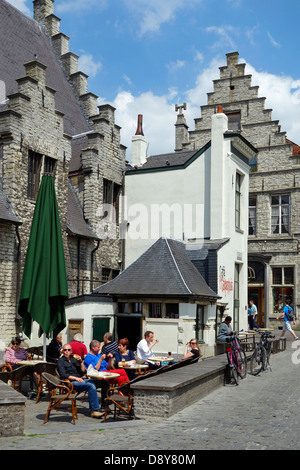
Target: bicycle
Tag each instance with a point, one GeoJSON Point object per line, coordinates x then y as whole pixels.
{"type": "Point", "coordinates": [237, 360]}
{"type": "Point", "coordinates": [260, 359]}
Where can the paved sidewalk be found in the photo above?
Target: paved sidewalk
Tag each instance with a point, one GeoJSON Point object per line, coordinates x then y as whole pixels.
{"type": "Point", "coordinates": [263, 412]}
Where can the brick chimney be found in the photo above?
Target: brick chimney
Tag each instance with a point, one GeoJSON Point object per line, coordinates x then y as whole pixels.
{"type": "Point", "coordinates": [42, 9]}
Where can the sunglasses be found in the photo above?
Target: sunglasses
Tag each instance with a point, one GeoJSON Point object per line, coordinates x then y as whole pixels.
{"type": "Point", "coordinates": [193, 342]}
{"type": "Point", "coordinates": [67, 349]}
{"type": "Point", "coordinates": [15, 344]}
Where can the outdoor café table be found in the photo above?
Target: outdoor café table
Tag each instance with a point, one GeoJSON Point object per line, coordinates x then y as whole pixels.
{"type": "Point", "coordinates": [30, 363]}
{"type": "Point", "coordinates": [103, 375]}
{"type": "Point", "coordinates": [140, 368]}
{"type": "Point", "coordinates": [160, 359]}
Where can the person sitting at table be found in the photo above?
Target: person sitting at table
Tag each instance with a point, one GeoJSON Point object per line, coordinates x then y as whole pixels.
{"type": "Point", "coordinates": [99, 362]}
{"type": "Point", "coordinates": [73, 369]}
{"type": "Point", "coordinates": [54, 349]}
{"type": "Point", "coordinates": [15, 353]}
{"type": "Point", "coordinates": [194, 351]}
{"type": "Point", "coordinates": [125, 354]}
{"type": "Point", "coordinates": [144, 348]}
{"type": "Point", "coordinates": [108, 345]}
{"type": "Point", "coordinates": [225, 331]}
{"type": "Point", "coordinates": [78, 346]}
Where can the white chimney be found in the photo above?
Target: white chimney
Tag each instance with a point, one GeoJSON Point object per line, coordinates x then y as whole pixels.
{"type": "Point", "coordinates": [219, 125]}
{"type": "Point", "coordinates": [139, 145]}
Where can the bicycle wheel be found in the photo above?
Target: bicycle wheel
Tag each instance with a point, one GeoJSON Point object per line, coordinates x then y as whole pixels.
{"type": "Point", "coordinates": [258, 360]}
{"type": "Point", "coordinates": [268, 348]}
{"type": "Point", "coordinates": [241, 363]}
{"type": "Point", "coordinates": [234, 373]}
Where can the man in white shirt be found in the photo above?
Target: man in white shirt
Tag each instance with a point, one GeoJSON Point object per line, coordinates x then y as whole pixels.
{"type": "Point", "coordinates": [144, 347]}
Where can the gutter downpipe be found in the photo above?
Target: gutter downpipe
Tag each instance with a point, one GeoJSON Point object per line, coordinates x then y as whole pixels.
{"type": "Point", "coordinates": [92, 265]}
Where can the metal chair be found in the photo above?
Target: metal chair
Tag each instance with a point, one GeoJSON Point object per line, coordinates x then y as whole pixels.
{"type": "Point", "coordinates": [39, 369]}
{"type": "Point", "coordinates": [60, 392]}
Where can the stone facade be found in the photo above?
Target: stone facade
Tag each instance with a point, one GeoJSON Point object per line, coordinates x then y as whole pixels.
{"type": "Point", "coordinates": [275, 172]}
{"type": "Point", "coordinates": [62, 132]}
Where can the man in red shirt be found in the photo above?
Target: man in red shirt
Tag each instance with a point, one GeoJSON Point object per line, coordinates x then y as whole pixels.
{"type": "Point", "coordinates": [78, 347]}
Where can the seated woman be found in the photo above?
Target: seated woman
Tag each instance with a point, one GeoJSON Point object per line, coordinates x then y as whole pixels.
{"type": "Point", "coordinates": [15, 353]}
{"type": "Point", "coordinates": [125, 354]}
{"type": "Point", "coordinates": [225, 331]}
{"type": "Point", "coordinates": [195, 350]}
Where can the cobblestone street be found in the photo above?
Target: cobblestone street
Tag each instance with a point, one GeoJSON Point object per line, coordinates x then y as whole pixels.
{"type": "Point", "coordinates": [263, 412]}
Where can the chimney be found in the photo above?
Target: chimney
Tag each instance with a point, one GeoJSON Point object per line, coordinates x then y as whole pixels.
{"type": "Point", "coordinates": [139, 145]}
{"type": "Point", "coordinates": [219, 125]}
{"type": "Point", "coordinates": [42, 9]}
{"type": "Point", "coordinates": [181, 128]}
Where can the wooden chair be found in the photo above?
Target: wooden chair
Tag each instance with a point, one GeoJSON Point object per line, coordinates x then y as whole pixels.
{"type": "Point", "coordinates": [121, 398]}
{"type": "Point", "coordinates": [39, 369]}
{"type": "Point", "coordinates": [5, 376]}
{"type": "Point", "coordinates": [16, 377]}
{"type": "Point", "coordinates": [60, 391]}
{"type": "Point", "coordinates": [6, 367]}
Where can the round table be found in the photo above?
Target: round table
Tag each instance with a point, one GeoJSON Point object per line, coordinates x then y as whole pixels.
{"type": "Point", "coordinates": [140, 368]}
{"type": "Point", "coordinates": [103, 375]}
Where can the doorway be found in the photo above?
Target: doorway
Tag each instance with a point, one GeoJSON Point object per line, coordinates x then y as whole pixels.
{"type": "Point", "coordinates": [100, 327]}
{"type": "Point", "coordinates": [257, 294]}
{"type": "Point", "coordinates": [129, 326]}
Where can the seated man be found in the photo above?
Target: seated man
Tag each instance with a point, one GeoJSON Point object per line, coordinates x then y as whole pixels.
{"type": "Point", "coordinates": [73, 369]}
{"type": "Point", "coordinates": [144, 348]}
{"type": "Point", "coordinates": [98, 361]}
{"type": "Point", "coordinates": [108, 345]}
{"type": "Point", "coordinates": [225, 331]}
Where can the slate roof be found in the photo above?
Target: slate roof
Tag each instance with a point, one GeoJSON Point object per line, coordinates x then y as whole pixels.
{"type": "Point", "coordinates": [167, 160]}
{"type": "Point", "coordinates": [6, 212]}
{"type": "Point", "coordinates": [76, 223]}
{"type": "Point", "coordinates": [21, 38]}
{"type": "Point", "coordinates": [164, 270]}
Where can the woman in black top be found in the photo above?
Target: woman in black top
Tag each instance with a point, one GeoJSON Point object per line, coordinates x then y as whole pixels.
{"type": "Point", "coordinates": [195, 350]}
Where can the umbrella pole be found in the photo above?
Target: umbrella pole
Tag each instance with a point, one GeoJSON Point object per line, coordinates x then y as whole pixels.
{"type": "Point", "coordinates": [44, 346]}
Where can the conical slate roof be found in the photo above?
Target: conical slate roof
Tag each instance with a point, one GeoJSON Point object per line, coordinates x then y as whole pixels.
{"type": "Point", "coordinates": [164, 270]}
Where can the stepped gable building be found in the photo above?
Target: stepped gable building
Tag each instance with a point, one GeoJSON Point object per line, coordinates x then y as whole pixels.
{"type": "Point", "coordinates": [274, 187]}
{"type": "Point", "coordinates": [50, 123]}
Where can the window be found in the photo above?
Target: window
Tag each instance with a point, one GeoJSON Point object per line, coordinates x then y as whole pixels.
{"type": "Point", "coordinates": [238, 196]}
{"type": "Point", "coordinates": [283, 287]}
{"type": "Point", "coordinates": [252, 216]}
{"type": "Point", "coordinates": [35, 165]}
{"type": "Point", "coordinates": [155, 310]}
{"type": "Point", "coordinates": [280, 214]}
{"type": "Point", "coordinates": [49, 165]}
{"type": "Point", "coordinates": [109, 274]}
{"type": "Point", "coordinates": [234, 121]}
{"type": "Point", "coordinates": [236, 300]}
{"type": "Point", "coordinates": [111, 193]}
{"type": "Point", "coordinates": [34, 170]}
{"type": "Point", "coordinates": [283, 275]}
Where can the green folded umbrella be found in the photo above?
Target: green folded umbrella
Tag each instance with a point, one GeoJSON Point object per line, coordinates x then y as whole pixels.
{"type": "Point", "coordinates": [44, 284]}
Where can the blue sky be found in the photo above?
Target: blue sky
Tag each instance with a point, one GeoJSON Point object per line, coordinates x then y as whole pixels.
{"type": "Point", "coordinates": [143, 56]}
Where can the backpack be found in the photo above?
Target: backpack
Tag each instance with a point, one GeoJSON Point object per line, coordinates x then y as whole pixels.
{"type": "Point", "coordinates": [290, 314]}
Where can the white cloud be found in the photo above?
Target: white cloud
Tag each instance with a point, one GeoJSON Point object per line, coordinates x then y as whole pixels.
{"type": "Point", "coordinates": [87, 64]}
{"type": "Point", "coordinates": [224, 36]}
{"type": "Point", "coordinates": [156, 12]}
{"type": "Point", "coordinates": [21, 5]}
{"type": "Point", "coordinates": [282, 95]}
{"type": "Point", "coordinates": [272, 40]}
{"type": "Point", "coordinates": [173, 66]}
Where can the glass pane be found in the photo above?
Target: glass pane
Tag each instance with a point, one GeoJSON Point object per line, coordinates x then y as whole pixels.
{"type": "Point", "coordinates": [277, 275]}
{"type": "Point", "coordinates": [285, 199]}
{"type": "Point", "coordinates": [289, 275]}
{"type": "Point", "coordinates": [252, 201]}
{"type": "Point", "coordinates": [275, 200]}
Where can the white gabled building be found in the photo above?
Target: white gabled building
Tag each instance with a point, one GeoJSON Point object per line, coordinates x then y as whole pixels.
{"type": "Point", "coordinates": [200, 197]}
